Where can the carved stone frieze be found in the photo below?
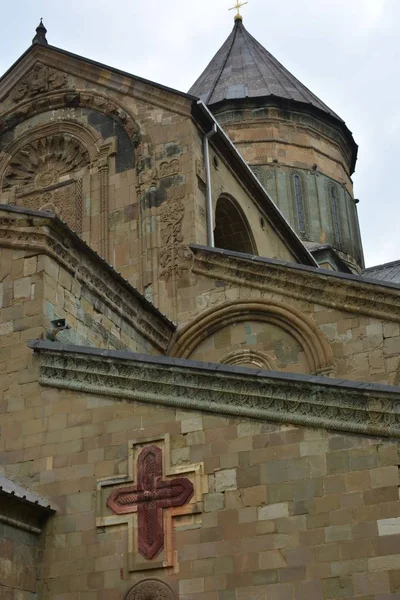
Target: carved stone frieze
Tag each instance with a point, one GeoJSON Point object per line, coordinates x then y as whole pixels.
{"type": "Point", "coordinates": [305, 401]}
{"type": "Point", "coordinates": [175, 256]}
{"type": "Point", "coordinates": [39, 80]}
{"type": "Point", "coordinates": [151, 589]}
{"type": "Point", "coordinates": [41, 162]}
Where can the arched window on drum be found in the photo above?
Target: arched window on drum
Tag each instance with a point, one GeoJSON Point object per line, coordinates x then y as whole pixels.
{"type": "Point", "coordinates": [299, 203]}
{"type": "Point", "coordinates": [335, 212]}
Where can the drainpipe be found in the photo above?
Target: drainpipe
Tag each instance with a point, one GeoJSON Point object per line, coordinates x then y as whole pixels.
{"type": "Point", "coordinates": [209, 206]}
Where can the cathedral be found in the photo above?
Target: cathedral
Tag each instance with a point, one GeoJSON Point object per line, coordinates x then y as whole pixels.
{"type": "Point", "coordinates": [199, 379]}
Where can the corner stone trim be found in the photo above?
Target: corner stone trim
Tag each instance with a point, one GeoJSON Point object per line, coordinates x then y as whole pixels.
{"type": "Point", "coordinates": [307, 401]}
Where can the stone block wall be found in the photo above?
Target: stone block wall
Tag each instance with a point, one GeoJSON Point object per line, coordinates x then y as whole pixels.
{"type": "Point", "coordinates": [91, 320]}
{"type": "Point", "coordinates": [21, 319]}
{"type": "Point", "coordinates": [290, 512]}
{"type": "Point", "coordinates": [19, 558]}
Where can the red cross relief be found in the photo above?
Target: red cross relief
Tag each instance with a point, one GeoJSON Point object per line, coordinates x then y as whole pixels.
{"type": "Point", "coordinates": [149, 498]}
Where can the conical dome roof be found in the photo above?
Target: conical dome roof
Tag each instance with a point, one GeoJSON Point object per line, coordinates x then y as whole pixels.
{"type": "Point", "coordinates": [243, 68]}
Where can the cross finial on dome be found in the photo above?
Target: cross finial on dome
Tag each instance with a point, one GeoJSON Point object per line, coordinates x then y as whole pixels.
{"type": "Point", "coordinates": [238, 6]}
{"type": "Point", "coordinates": [40, 37]}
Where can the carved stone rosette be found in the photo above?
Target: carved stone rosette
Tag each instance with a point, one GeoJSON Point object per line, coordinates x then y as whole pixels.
{"type": "Point", "coordinates": [42, 162]}
{"type": "Point", "coordinates": [151, 589]}
{"type": "Point", "coordinates": [41, 176]}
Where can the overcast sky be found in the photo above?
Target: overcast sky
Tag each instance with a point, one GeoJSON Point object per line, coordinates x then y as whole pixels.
{"type": "Point", "coordinates": [346, 51]}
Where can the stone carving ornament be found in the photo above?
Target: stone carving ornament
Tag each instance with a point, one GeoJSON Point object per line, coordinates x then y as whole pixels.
{"type": "Point", "coordinates": [149, 498]}
{"type": "Point", "coordinates": [151, 589]}
{"type": "Point", "coordinates": [39, 80]}
{"type": "Point", "coordinates": [175, 256]}
{"type": "Point", "coordinates": [43, 161]}
{"type": "Point", "coordinates": [303, 402]}
{"type": "Point", "coordinates": [166, 169]}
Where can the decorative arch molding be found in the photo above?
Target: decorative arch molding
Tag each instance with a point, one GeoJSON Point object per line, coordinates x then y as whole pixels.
{"type": "Point", "coordinates": [72, 98]}
{"type": "Point", "coordinates": [318, 352]}
{"type": "Point", "coordinates": [239, 237]}
{"type": "Point", "coordinates": [243, 357]}
{"type": "Point", "coordinates": [151, 589]}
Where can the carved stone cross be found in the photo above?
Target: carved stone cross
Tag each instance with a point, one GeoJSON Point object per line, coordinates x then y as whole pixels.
{"type": "Point", "coordinates": [149, 498]}
{"type": "Point", "coordinates": [153, 500]}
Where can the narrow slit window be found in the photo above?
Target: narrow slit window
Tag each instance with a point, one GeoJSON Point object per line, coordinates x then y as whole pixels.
{"type": "Point", "coordinates": [335, 215]}
{"type": "Point", "coordinates": [299, 204]}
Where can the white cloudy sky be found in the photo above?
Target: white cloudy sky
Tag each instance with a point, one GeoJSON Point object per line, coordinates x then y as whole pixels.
{"type": "Point", "coordinates": [346, 51]}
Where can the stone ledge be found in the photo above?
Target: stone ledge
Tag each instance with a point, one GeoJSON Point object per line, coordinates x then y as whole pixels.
{"type": "Point", "coordinates": [308, 401]}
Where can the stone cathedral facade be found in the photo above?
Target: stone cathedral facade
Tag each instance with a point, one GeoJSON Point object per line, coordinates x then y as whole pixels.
{"type": "Point", "coordinates": [199, 380]}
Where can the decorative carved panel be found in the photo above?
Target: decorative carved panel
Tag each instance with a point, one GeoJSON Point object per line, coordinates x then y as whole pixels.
{"type": "Point", "coordinates": [39, 80]}
{"type": "Point", "coordinates": [167, 169]}
{"type": "Point", "coordinates": [175, 256]}
{"type": "Point", "coordinates": [64, 200]}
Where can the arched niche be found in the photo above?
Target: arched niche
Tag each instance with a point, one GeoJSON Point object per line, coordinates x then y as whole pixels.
{"type": "Point", "coordinates": [317, 352]}
{"type": "Point", "coordinates": [232, 230]}
{"type": "Point", "coordinates": [255, 359]}
{"type": "Point", "coordinates": [49, 166]}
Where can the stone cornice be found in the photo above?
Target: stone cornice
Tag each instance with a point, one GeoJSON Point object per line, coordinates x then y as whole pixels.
{"type": "Point", "coordinates": [45, 233]}
{"type": "Point", "coordinates": [347, 293]}
{"type": "Point", "coordinates": [301, 400]}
